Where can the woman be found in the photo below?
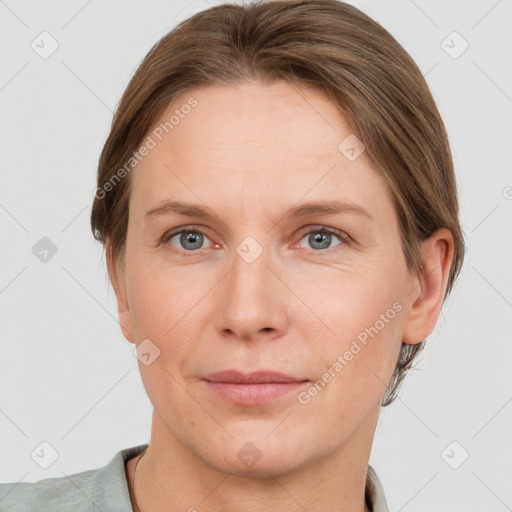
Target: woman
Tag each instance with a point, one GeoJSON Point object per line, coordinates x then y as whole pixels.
{"type": "Point", "coordinates": [279, 212]}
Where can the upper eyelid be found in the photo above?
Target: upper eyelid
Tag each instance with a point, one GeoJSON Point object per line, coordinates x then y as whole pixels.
{"type": "Point", "coordinates": [173, 232]}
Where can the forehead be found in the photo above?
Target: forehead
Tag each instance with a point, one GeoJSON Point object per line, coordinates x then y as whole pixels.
{"type": "Point", "coordinates": [274, 118]}
{"type": "Point", "coordinates": [251, 144]}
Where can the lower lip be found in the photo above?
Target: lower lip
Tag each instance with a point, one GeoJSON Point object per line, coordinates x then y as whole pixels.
{"type": "Point", "coordinates": [253, 394]}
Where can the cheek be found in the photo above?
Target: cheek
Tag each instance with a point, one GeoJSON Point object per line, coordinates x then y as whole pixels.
{"type": "Point", "coordinates": [158, 299]}
{"type": "Point", "coordinates": [165, 312]}
{"type": "Point", "coordinates": [166, 308]}
{"type": "Point", "coordinates": [359, 352]}
{"type": "Point", "coordinates": [359, 306]}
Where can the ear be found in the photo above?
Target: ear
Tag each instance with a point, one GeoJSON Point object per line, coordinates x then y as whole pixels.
{"type": "Point", "coordinates": [118, 279]}
{"type": "Point", "coordinates": [426, 292]}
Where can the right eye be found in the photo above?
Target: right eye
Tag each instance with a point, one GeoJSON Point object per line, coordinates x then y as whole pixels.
{"type": "Point", "coordinates": [186, 239]}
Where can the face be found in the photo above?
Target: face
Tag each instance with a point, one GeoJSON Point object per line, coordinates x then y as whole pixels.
{"type": "Point", "coordinates": [262, 283]}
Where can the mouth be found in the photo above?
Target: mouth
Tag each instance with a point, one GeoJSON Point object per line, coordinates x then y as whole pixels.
{"type": "Point", "coordinates": [254, 388]}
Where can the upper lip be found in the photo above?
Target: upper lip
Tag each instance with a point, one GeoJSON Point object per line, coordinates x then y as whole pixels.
{"type": "Point", "coordinates": [262, 376]}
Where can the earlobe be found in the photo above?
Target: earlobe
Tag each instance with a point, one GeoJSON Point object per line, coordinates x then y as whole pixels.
{"type": "Point", "coordinates": [117, 279]}
{"type": "Point", "coordinates": [426, 298]}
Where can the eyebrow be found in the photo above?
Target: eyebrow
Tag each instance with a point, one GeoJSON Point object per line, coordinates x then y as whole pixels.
{"type": "Point", "coordinates": [295, 212]}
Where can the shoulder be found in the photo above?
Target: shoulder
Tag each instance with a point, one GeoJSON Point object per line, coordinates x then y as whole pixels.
{"type": "Point", "coordinates": [96, 489]}
{"type": "Point", "coordinates": [374, 492]}
{"type": "Point", "coordinates": [52, 493]}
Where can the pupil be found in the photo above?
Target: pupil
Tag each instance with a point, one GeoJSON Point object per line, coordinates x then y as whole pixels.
{"type": "Point", "coordinates": [193, 239]}
{"type": "Point", "coordinates": [322, 237]}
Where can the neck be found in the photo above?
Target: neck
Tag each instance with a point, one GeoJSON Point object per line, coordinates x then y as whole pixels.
{"type": "Point", "coordinates": [171, 478]}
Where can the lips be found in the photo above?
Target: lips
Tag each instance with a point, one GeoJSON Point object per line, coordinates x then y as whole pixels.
{"type": "Point", "coordinates": [254, 388]}
{"type": "Point", "coordinates": [259, 377]}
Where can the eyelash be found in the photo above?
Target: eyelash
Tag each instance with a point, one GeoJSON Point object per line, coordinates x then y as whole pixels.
{"type": "Point", "coordinates": [343, 237]}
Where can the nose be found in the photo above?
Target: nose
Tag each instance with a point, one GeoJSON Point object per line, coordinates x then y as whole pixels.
{"type": "Point", "coordinates": [251, 299]}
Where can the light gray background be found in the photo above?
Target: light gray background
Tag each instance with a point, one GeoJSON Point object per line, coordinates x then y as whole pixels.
{"type": "Point", "coordinates": [68, 376]}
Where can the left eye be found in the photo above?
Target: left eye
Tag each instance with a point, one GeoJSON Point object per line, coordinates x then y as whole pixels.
{"type": "Point", "coordinates": [322, 238]}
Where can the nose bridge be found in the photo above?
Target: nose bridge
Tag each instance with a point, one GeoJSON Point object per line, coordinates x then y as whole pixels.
{"type": "Point", "coordinates": [251, 300]}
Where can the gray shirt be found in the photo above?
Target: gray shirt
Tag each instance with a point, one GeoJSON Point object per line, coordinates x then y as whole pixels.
{"type": "Point", "coordinates": [106, 490]}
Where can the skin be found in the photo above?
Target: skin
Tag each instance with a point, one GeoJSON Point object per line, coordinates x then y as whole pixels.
{"type": "Point", "coordinates": [248, 152]}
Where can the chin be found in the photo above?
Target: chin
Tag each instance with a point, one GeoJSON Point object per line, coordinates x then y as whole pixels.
{"type": "Point", "coordinates": [256, 453]}
{"type": "Point", "coordinates": [270, 465]}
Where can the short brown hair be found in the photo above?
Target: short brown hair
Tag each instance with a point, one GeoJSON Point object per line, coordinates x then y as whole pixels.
{"type": "Point", "coordinates": [325, 44]}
